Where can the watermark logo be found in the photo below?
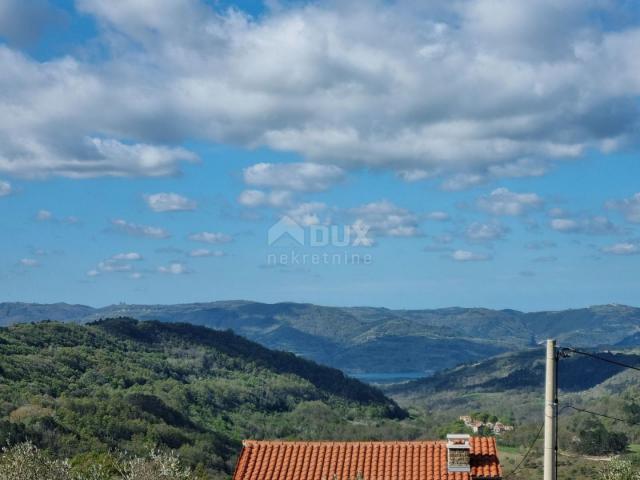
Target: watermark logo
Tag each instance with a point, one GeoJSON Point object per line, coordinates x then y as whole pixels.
{"type": "Point", "coordinates": [338, 241]}
{"type": "Point", "coordinates": [286, 229]}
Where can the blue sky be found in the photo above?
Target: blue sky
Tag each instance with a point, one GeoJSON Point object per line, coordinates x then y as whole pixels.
{"type": "Point", "coordinates": [472, 155]}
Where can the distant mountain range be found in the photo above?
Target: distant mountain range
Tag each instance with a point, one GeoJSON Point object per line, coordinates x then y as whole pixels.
{"type": "Point", "coordinates": [365, 339]}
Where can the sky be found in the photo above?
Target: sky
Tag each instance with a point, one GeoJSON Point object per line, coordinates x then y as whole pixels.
{"type": "Point", "coordinates": [405, 154]}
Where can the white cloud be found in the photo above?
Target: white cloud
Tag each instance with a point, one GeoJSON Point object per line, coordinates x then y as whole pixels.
{"type": "Point", "coordinates": [624, 248]}
{"type": "Point", "coordinates": [595, 225]}
{"type": "Point", "coordinates": [258, 198]}
{"type": "Point", "coordinates": [467, 256]}
{"type": "Point", "coordinates": [29, 262]}
{"type": "Point", "coordinates": [414, 175]}
{"type": "Point", "coordinates": [129, 256]}
{"type": "Point", "coordinates": [307, 214]}
{"type": "Point", "coordinates": [174, 268]}
{"type": "Point", "coordinates": [139, 230]}
{"type": "Point", "coordinates": [44, 215]}
{"type": "Point", "coordinates": [565, 225]}
{"type": "Point", "coordinates": [210, 237]}
{"type": "Point", "coordinates": [462, 181]}
{"type": "Point", "coordinates": [383, 218]}
{"type": "Point", "coordinates": [47, 216]}
{"type": "Point", "coordinates": [502, 201]}
{"type": "Point", "coordinates": [304, 177]}
{"type": "Point", "coordinates": [5, 188]}
{"type": "Point", "coordinates": [204, 252]}
{"type": "Point", "coordinates": [438, 216]}
{"type": "Point", "coordinates": [474, 90]}
{"type": "Point", "coordinates": [169, 202]}
{"type": "Point", "coordinates": [116, 264]}
{"type": "Point", "coordinates": [111, 266]}
{"type": "Point", "coordinates": [630, 207]}
{"type": "Point", "coordinates": [484, 232]}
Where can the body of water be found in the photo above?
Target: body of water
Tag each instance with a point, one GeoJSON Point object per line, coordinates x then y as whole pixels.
{"type": "Point", "coordinates": [394, 377]}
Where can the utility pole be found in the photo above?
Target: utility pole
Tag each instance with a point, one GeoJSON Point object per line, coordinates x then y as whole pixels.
{"type": "Point", "coordinates": [550, 414]}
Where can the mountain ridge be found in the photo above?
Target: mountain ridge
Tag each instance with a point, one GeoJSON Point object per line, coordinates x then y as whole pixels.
{"type": "Point", "coordinates": [371, 339]}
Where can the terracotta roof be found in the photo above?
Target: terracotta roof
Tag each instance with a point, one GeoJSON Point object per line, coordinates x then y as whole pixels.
{"type": "Point", "coordinates": [279, 460]}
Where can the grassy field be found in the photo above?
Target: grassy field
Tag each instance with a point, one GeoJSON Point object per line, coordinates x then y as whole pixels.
{"type": "Point", "coordinates": [568, 468]}
{"type": "Point", "coordinates": [635, 448]}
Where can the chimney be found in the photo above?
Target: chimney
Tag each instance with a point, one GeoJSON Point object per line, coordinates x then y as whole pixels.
{"type": "Point", "coordinates": [458, 453]}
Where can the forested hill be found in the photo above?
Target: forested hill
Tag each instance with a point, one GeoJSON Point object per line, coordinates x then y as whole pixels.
{"type": "Point", "coordinates": [519, 371]}
{"type": "Point", "coordinates": [78, 390]}
{"type": "Point", "coordinates": [377, 340]}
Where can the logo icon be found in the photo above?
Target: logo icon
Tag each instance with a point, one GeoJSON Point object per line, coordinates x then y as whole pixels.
{"type": "Point", "coordinates": [286, 228]}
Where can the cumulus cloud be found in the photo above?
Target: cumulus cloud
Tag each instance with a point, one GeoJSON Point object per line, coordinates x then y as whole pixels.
{"type": "Point", "coordinates": [467, 256]}
{"type": "Point", "coordinates": [304, 177]}
{"type": "Point", "coordinates": [471, 90]}
{"type": "Point", "coordinates": [174, 268]}
{"type": "Point", "coordinates": [485, 232]}
{"type": "Point", "coordinates": [130, 256]}
{"type": "Point", "coordinates": [414, 175]}
{"type": "Point", "coordinates": [137, 230]}
{"type": "Point", "coordinates": [258, 198]}
{"type": "Point", "coordinates": [5, 188]}
{"type": "Point", "coordinates": [384, 218]}
{"type": "Point", "coordinates": [44, 215]}
{"type": "Point", "coordinates": [438, 216]}
{"type": "Point", "coordinates": [205, 252]}
{"type": "Point", "coordinates": [565, 225]}
{"type": "Point", "coordinates": [596, 225]}
{"type": "Point", "coordinates": [116, 264]}
{"type": "Point", "coordinates": [169, 202]}
{"type": "Point", "coordinates": [48, 216]}
{"type": "Point", "coordinates": [624, 248]}
{"type": "Point", "coordinates": [29, 262]}
{"type": "Point", "coordinates": [502, 201]}
{"type": "Point", "coordinates": [210, 237]}
{"type": "Point", "coordinates": [308, 214]}
{"type": "Point", "coordinates": [630, 207]}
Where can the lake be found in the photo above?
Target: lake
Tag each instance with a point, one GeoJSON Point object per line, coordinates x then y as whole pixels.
{"type": "Point", "coordinates": [394, 377]}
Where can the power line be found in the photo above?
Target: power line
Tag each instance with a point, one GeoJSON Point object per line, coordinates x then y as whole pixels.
{"type": "Point", "coordinates": [598, 357]}
{"type": "Point", "coordinates": [508, 475]}
{"type": "Point", "coordinates": [584, 410]}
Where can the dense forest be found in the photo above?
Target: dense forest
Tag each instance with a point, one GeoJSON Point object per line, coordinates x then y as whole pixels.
{"type": "Point", "coordinates": [99, 400]}
{"type": "Point", "coordinates": [79, 392]}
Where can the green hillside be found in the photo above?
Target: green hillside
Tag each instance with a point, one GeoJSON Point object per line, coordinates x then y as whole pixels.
{"type": "Point", "coordinates": [128, 385]}
{"type": "Point", "coordinates": [372, 340]}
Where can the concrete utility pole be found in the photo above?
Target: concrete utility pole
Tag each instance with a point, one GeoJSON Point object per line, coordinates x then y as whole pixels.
{"type": "Point", "coordinates": [550, 412]}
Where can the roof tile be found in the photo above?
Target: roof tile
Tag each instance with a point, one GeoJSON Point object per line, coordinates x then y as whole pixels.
{"type": "Point", "coordinates": [418, 460]}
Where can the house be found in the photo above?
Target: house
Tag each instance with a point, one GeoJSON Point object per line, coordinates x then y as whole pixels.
{"type": "Point", "coordinates": [500, 427]}
{"type": "Point", "coordinates": [460, 457]}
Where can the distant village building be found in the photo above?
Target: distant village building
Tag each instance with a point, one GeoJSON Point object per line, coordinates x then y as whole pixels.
{"type": "Point", "coordinates": [461, 457]}
{"type": "Point", "coordinates": [475, 425]}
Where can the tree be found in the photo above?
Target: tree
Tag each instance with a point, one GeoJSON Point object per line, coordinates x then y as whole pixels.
{"type": "Point", "coordinates": [618, 469]}
{"type": "Point", "coordinates": [594, 439]}
{"type": "Point", "coordinates": [632, 410]}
